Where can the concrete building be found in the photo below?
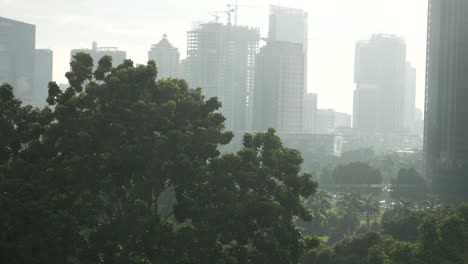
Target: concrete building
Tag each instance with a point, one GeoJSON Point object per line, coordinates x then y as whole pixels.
{"type": "Point", "coordinates": [281, 73]}
{"type": "Point", "coordinates": [380, 68]}
{"type": "Point", "coordinates": [446, 113]}
{"type": "Point", "coordinates": [221, 60]}
{"type": "Point", "coordinates": [322, 144]}
{"type": "Point", "coordinates": [325, 121]}
{"type": "Point", "coordinates": [43, 68]}
{"type": "Point", "coordinates": [364, 105]}
{"type": "Point", "coordinates": [328, 121]}
{"type": "Point", "coordinates": [309, 112]}
{"type": "Point", "coordinates": [419, 122]}
{"type": "Point", "coordinates": [409, 103]}
{"type": "Point", "coordinates": [17, 49]}
{"type": "Point", "coordinates": [342, 120]}
{"type": "Point", "coordinates": [166, 57]}
{"type": "Point", "coordinates": [182, 67]}
{"type": "Point", "coordinates": [290, 25]}
{"type": "Point", "coordinates": [279, 87]}
{"type": "Point", "coordinates": [118, 56]}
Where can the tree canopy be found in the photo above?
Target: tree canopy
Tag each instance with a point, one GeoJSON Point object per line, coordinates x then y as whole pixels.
{"type": "Point", "coordinates": [442, 237]}
{"type": "Point", "coordinates": [409, 185]}
{"type": "Point", "coordinates": [356, 173]}
{"type": "Point", "coordinates": [82, 180]}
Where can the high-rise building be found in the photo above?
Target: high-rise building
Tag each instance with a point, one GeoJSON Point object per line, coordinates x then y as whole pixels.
{"type": "Point", "coordinates": [43, 66]}
{"type": "Point", "coordinates": [281, 73]}
{"type": "Point", "coordinates": [364, 108]}
{"type": "Point", "coordinates": [166, 57]}
{"type": "Point", "coordinates": [17, 44]}
{"type": "Point", "coordinates": [309, 112]}
{"type": "Point", "coordinates": [290, 25]}
{"type": "Point", "coordinates": [446, 113]}
{"type": "Point", "coordinates": [409, 99]}
{"type": "Point", "coordinates": [97, 53]}
{"type": "Point", "coordinates": [221, 60]}
{"type": "Point", "coordinates": [380, 69]}
{"type": "Point", "coordinates": [182, 67]}
{"type": "Point", "coordinates": [279, 87]}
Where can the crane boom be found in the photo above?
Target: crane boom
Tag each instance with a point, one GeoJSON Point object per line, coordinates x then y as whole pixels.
{"type": "Point", "coordinates": [235, 8]}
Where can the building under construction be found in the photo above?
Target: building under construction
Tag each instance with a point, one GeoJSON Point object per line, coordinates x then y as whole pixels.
{"type": "Point", "coordinates": [221, 60]}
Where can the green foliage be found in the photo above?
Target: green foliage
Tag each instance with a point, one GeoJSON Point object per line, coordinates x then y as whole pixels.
{"type": "Point", "coordinates": [125, 169]}
{"type": "Point", "coordinates": [402, 223]}
{"type": "Point", "coordinates": [249, 202]}
{"type": "Point", "coordinates": [359, 155]}
{"type": "Point", "coordinates": [356, 173]}
{"type": "Point", "coordinates": [409, 185]}
{"type": "Point", "coordinates": [442, 238]}
{"type": "Point", "coordinates": [320, 206]}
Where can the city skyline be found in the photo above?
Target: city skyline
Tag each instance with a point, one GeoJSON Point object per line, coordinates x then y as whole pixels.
{"type": "Point", "coordinates": [331, 40]}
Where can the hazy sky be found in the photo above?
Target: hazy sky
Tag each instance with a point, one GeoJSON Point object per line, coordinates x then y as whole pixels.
{"type": "Point", "coordinates": [334, 27]}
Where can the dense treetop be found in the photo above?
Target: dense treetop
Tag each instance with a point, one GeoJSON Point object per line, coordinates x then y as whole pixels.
{"type": "Point", "coordinates": [81, 181]}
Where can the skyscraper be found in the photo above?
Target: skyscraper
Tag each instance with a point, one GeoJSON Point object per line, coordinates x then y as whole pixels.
{"type": "Point", "coordinates": [446, 113]}
{"type": "Point", "coordinates": [17, 44]}
{"type": "Point", "coordinates": [281, 73]}
{"type": "Point", "coordinates": [364, 108]}
{"type": "Point", "coordinates": [380, 70]}
{"type": "Point", "coordinates": [43, 66]}
{"type": "Point", "coordinates": [182, 68]}
{"type": "Point", "coordinates": [166, 57]}
{"type": "Point", "coordinates": [97, 53]}
{"type": "Point", "coordinates": [309, 112]}
{"type": "Point", "coordinates": [221, 60]}
{"type": "Point", "coordinates": [409, 103]}
{"type": "Point", "coordinates": [290, 25]}
{"type": "Point", "coordinates": [279, 87]}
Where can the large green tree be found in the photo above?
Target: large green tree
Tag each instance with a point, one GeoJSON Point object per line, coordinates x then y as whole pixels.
{"type": "Point", "coordinates": [83, 180]}
{"type": "Point", "coordinates": [356, 173]}
{"type": "Point", "coordinates": [247, 207]}
{"type": "Point", "coordinates": [409, 185]}
{"type": "Point", "coordinates": [320, 205]}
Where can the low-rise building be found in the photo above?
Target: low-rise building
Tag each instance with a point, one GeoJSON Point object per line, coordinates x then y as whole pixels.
{"type": "Point", "coordinates": [306, 142]}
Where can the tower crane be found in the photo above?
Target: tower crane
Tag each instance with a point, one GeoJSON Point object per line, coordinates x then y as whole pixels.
{"type": "Point", "coordinates": [235, 8]}
{"type": "Point", "coordinates": [228, 12]}
{"type": "Point", "coordinates": [215, 15]}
